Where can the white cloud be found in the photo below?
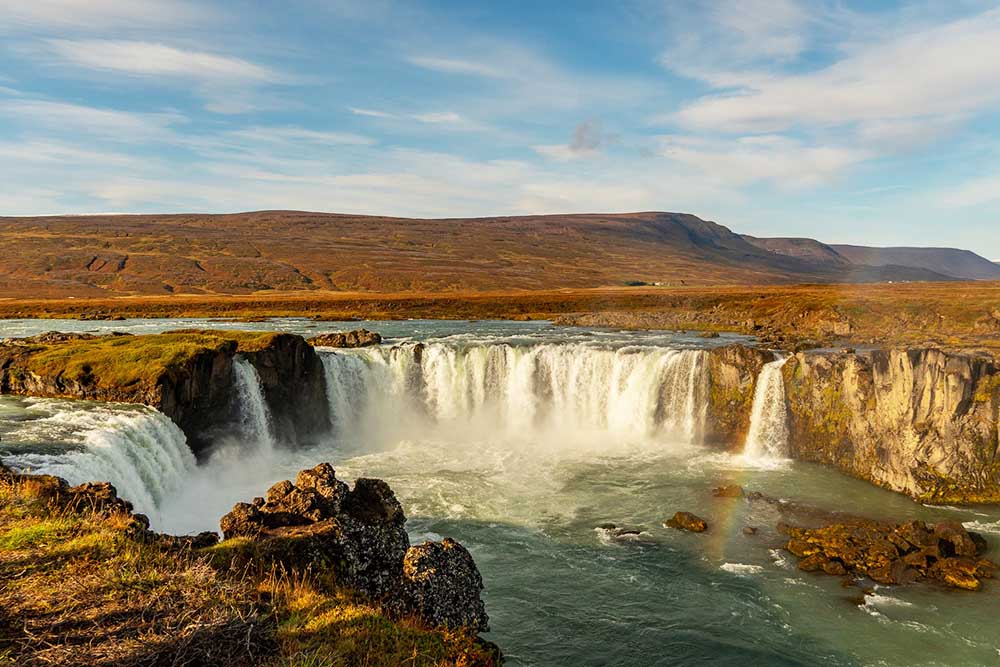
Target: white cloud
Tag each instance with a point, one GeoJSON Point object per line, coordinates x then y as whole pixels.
{"type": "Point", "coordinates": [64, 118]}
{"type": "Point", "coordinates": [153, 59]}
{"type": "Point", "coordinates": [448, 117]}
{"type": "Point", "coordinates": [95, 15]}
{"type": "Point", "coordinates": [939, 71]}
{"type": "Point", "coordinates": [228, 84]}
{"type": "Point", "coordinates": [976, 192]}
{"type": "Point", "coordinates": [373, 113]}
{"type": "Point", "coordinates": [778, 160]}
{"type": "Point", "coordinates": [458, 66]}
{"type": "Point", "coordinates": [299, 135]}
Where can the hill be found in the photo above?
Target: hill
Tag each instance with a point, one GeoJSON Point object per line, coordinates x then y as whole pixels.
{"type": "Point", "coordinates": [93, 256]}
{"type": "Point", "coordinates": [951, 261]}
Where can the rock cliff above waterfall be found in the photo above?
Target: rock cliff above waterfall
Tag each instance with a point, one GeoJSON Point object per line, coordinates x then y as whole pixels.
{"type": "Point", "coordinates": [187, 375]}
{"type": "Point", "coordinates": [922, 422]}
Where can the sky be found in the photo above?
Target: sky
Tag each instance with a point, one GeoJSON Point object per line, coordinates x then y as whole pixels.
{"type": "Point", "coordinates": [872, 122]}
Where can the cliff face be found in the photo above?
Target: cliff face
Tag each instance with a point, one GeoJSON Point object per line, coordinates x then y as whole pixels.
{"type": "Point", "coordinates": [186, 375]}
{"type": "Point", "coordinates": [921, 422]}
{"type": "Point", "coordinates": [732, 380]}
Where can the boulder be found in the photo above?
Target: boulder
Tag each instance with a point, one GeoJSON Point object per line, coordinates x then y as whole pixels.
{"type": "Point", "coordinates": [687, 521]}
{"type": "Point", "coordinates": [442, 585]}
{"type": "Point", "coordinates": [728, 491]}
{"type": "Point", "coordinates": [357, 537]}
{"type": "Point", "coordinates": [356, 338]}
{"type": "Point", "coordinates": [890, 553]}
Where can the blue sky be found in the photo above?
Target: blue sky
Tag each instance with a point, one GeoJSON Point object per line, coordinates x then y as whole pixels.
{"type": "Point", "coordinates": [871, 122]}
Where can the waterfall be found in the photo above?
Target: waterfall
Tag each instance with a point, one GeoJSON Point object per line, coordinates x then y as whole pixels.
{"type": "Point", "coordinates": [638, 394]}
{"type": "Point", "coordinates": [140, 451]}
{"type": "Point", "coordinates": [255, 417]}
{"type": "Point", "coordinates": [768, 434]}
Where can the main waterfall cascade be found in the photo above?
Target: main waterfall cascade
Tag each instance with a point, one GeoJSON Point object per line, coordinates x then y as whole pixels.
{"type": "Point", "coordinates": [559, 393]}
{"type": "Point", "coordinates": [767, 437]}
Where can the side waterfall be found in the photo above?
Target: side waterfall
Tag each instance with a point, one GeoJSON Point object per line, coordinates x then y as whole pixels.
{"type": "Point", "coordinates": [255, 416]}
{"type": "Point", "coordinates": [636, 394]}
{"type": "Point", "coordinates": [141, 452]}
{"type": "Point", "coordinates": [768, 434]}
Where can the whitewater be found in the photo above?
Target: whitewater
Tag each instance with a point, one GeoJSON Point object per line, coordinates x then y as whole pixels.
{"type": "Point", "coordinates": [519, 439]}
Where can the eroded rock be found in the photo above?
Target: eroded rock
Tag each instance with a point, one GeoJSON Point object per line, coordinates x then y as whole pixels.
{"type": "Point", "coordinates": [319, 524]}
{"type": "Point", "coordinates": [889, 553]}
{"type": "Point", "coordinates": [442, 585]}
{"type": "Point", "coordinates": [687, 521]}
{"type": "Point", "coordinates": [356, 338]}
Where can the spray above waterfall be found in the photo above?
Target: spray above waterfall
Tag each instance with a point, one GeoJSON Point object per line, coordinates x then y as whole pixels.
{"type": "Point", "coordinates": [768, 434]}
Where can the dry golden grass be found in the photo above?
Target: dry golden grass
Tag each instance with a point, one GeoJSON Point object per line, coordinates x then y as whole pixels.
{"type": "Point", "coordinates": [946, 314]}
{"type": "Point", "coordinates": [77, 588]}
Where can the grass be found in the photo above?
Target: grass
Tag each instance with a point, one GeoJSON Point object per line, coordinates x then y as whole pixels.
{"type": "Point", "coordinates": [943, 314]}
{"type": "Point", "coordinates": [124, 361]}
{"type": "Point", "coordinates": [78, 588]}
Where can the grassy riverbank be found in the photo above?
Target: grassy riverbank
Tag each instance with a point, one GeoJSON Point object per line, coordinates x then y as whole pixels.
{"type": "Point", "coordinates": [956, 315]}
{"type": "Point", "coordinates": [83, 587]}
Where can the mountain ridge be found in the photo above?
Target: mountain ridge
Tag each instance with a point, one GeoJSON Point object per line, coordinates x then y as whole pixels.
{"type": "Point", "coordinates": [285, 251]}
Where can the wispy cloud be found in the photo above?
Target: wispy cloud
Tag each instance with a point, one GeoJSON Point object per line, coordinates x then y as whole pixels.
{"type": "Point", "coordinates": [286, 134]}
{"type": "Point", "coordinates": [109, 124]}
{"type": "Point", "coordinates": [939, 71]}
{"type": "Point", "coordinates": [97, 14]}
{"type": "Point", "coordinates": [588, 140]}
{"type": "Point", "coordinates": [226, 82]}
{"type": "Point", "coordinates": [459, 66]}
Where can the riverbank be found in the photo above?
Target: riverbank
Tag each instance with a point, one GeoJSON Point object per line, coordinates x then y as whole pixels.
{"type": "Point", "coordinates": [957, 316]}
{"type": "Point", "coordinates": [85, 582]}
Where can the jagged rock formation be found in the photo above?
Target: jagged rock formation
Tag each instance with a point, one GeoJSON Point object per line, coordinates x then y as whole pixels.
{"type": "Point", "coordinates": [356, 338]}
{"type": "Point", "coordinates": [922, 422]}
{"type": "Point", "coordinates": [319, 524]}
{"type": "Point", "coordinates": [894, 553]}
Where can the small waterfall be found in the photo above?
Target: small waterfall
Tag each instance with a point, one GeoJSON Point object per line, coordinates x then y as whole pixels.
{"type": "Point", "coordinates": [255, 416]}
{"type": "Point", "coordinates": [635, 394]}
{"type": "Point", "coordinates": [141, 452]}
{"type": "Point", "coordinates": [768, 434]}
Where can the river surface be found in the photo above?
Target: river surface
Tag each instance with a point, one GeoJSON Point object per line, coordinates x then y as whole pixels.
{"type": "Point", "coordinates": [519, 440]}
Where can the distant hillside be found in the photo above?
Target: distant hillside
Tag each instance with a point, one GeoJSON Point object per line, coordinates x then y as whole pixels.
{"type": "Point", "coordinates": [292, 250]}
{"type": "Point", "coordinates": [951, 261]}
{"type": "Point", "coordinates": [815, 251]}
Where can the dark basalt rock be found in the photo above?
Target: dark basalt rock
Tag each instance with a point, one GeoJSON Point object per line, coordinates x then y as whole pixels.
{"type": "Point", "coordinates": [442, 585]}
{"type": "Point", "coordinates": [319, 524]}
{"type": "Point", "coordinates": [889, 553]}
{"type": "Point", "coordinates": [356, 338]}
{"type": "Point", "coordinates": [687, 521]}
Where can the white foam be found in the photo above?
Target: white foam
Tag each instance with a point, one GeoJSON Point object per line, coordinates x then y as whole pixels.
{"type": "Point", "coordinates": [742, 569]}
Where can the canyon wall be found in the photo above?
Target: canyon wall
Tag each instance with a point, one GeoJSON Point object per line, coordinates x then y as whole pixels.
{"type": "Point", "coordinates": [919, 421]}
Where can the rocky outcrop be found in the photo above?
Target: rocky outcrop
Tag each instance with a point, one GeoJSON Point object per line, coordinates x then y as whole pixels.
{"type": "Point", "coordinates": [196, 391]}
{"type": "Point", "coordinates": [921, 422]}
{"type": "Point", "coordinates": [357, 536]}
{"type": "Point", "coordinates": [732, 380]}
{"type": "Point", "coordinates": [356, 338]}
{"type": "Point", "coordinates": [686, 521]}
{"type": "Point", "coordinates": [890, 553]}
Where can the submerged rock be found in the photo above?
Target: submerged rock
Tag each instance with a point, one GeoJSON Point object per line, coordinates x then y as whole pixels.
{"type": "Point", "coordinates": [728, 491]}
{"type": "Point", "coordinates": [687, 521]}
{"type": "Point", "coordinates": [319, 524]}
{"type": "Point", "coordinates": [356, 338]}
{"type": "Point", "coordinates": [889, 553]}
